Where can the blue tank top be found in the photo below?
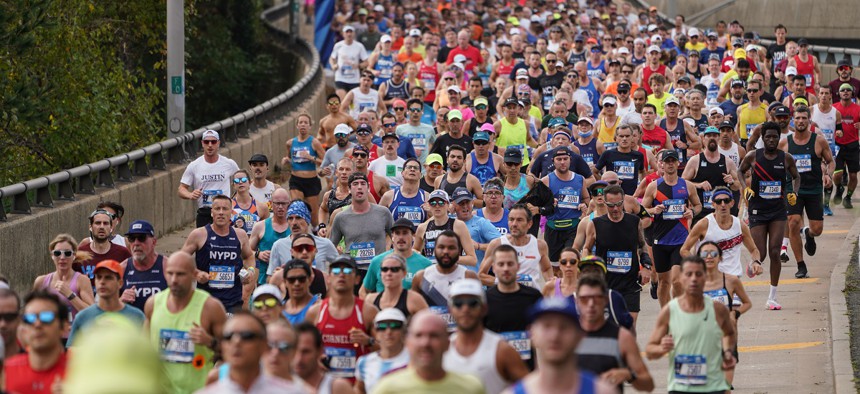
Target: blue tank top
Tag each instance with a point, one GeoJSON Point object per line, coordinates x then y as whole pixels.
{"type": "Point", "coordinates": [384, 64]}
{"type": "Point", "coordinates": [670, 227]}
{"type": "Point", "coordinates": [266, 242]}
{"type": "Point", "coordinates": [513, 196]}
{"type": "Point", "coordinates": [586, 384]}
{"type": "Point", "coordinates": [400, 91]}
{"type": "Point", "coordinates": [146, 283]}
{"type": "Point", "coordinates": [593, 97]}
{"type": "Point", "coordinates": [300, 164]}
{"type": "Point", "coordinates": [721, 294]}
{"type": "Point", "coordinates": [588, 151]}
{"type": "Point", "coordinates": [595, 72]}
{"type": "Point", "coordinates": [502, 224]}
{"type": "Point", "coordinates": [679, 133]}
{"type": "Point", "coordinates": [410, 208]}
{"type": "Point", "coordinates": [249, 217]}
{"type": "Point", "coordinates": [638, 61]}
{"type": "Point", "coordinates": [483, 172]}
{"type": "Point", "coordinates": [569, 196]}
{"type": "Point", "coordinates": [221, 257]}
{"type": "Point", "coordinates": [299, 317]}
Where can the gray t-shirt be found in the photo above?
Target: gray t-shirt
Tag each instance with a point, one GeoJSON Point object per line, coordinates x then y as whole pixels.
{"type": "Point", "coordinates": [333, 155]}
{"type": "Point", "coordinates": [282, 251]}
{"type": "Point", "coordinates": [423, 137]}
{"type": "Point", "coordinates": [363, 234]}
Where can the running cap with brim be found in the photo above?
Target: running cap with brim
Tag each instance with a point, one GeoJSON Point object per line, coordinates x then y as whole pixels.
{"type": "Point", "coordinates": [343, 260]}
{"type": "Point", "coordinates": [554, 305]}
{"type": "Point", "coordinates": [467, 287]}
{"type": "Point", "coordinates": [845, 86]}
{"type": "Point", "coordinates": [389, 314]}
{"type": "Point", "coordinates": [711, 130]}
{"type": "Point", "coordinates": [433, 158]}
{"type": "Point", "coordinates": [455, 114]}
{"type": "Point", "coordinates": [592, 260]}
{"type": "Point", "coordinates": [727, 124]}
{"type": "Point", "coordinates": [268, 289]}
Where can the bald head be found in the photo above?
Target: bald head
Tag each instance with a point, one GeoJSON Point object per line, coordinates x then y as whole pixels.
{"type": "Point", "coordinates": [179, 272]}
{"type": "Point", "coordinates": [428, 319]}
{"type": "Point", "coordinates": [181, 260]}
{"type": "Point", "coordinates": [609, 176]}
{"type": "Point", "coordinates": [427, 341]}
{"type": "Point", "coordinates": [281, 192]}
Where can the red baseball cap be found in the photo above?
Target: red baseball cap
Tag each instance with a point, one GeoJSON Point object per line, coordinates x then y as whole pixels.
{"type": "Point", "coordinates": [112, 266]}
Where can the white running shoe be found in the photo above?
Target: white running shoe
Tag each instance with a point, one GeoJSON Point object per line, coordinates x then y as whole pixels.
{"type": "Point", "coordinates": [772, 305]}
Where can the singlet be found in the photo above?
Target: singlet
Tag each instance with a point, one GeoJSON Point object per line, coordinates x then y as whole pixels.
{"type": "Point", "coordinates": [384, 64]}
{"type": "Point", "coordinates": [435, 287]}
{"type": "Point", "coordinates": [750, 118]}
{"type": "Point", "coordinates": [270, 236]}
{"type": "Point", "coordinates": [807, 70]}
{"type": "Point", "coordinates": [481, 363]}
{"type": "Point", "coordinates": [695, 361]}
{"type": "Point", "coordinates": [333, 203]}
{"type": "Point", "coordinates": [646, 74]}
{"type": "Point", "coordinates": [249, 216]}
{"type": "Point", "coordinates": [678, 133]}
{"type": "Point", "coordinates": [185, 363]}
{"type": "Point", "coordinates": [730, 242]}
{"type": "Point", "coordinates": [298, 163]}
{"type": "Point", "coordinates": [514, 135]}
{"type": "Point", "coordinates": [485, 171]}
{"type": "Point", "coordinates": [569, 196]}
{"type": "Point", "coordinates": [262, 194]}
{"type": "Point", "coordinates": [513, 196]}
{"type": "Point", "coordinates": [638, 60]}
{"type": "Point", "coordinates": [547, 84]}
{"type": "Point", "coordinates": [587, 384]}
{"type": "Point", "coordinates": [529, 256]}
{"type": "Point", "coordinates": [146, 283]}
{"type": "Point", "coordinates": [654, 139]}
{"type": "Point", "coordinates": [826, 122]}
{"type": "Point", "coordinates": [408, 207]}
{"type": "Point", "coordinates": [370, 187]}
{"type": "Point", "coordinates": [502, 224]}
{"type": "Point", "coordinates": [428, 75]}
{"type": "Point", "coordinates": [768, 184]}
{"type": "Point", "coordinates": [596, 71]}
{"type": "Point", "coordinates": [588, 151]}
{"type": "Point", "coordinates": [713, 173]}
{"type": "Point", "coordinates": [618, 245]}
{"type": "Point", "coordinates": [808, 165]}
{"type": "Point", "coordinates": [670, 227]}
{"type": "Point", "coordinates": [733, 153]}
{"type": "Point", "coordinates": [400, 91]}
{"type": "Point", "coordinates": [341, 352]}
{"type": "Point", "coordinates": [430, 235]}
{"type": "Point", "coordinates": [449, 187]}
{"type": "Point", "coordinates": [574, 57]}
{"type": "Point", "coordinates": [298, 317]}
{"type": "Point", "coordinates": [593, 97]}
{"type": "Point", "coordinates": [362, 101]}
{"type": "Point", "coordinates": [401, 302]}
{"type": "Point", "coordinates": [371, 367]}
{"type": "Point", "coordinates": [850, 114]}
{"type": "Point", "coordinates": [605, 133]}
{"type": "Point", "coordinates": [599, 351]}
{"type": "Point", "coordinates": [720, 294]}
{"type": "Point", "coordinates": [73, 285]}
{"type": "Point", "coordinates": [221, 257]}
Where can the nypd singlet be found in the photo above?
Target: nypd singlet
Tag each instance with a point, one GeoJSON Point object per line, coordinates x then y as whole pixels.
{"type": "Point", "coordinates": [221, 257]}
{"type": "Point", "coordinates": [145, 283]}
{"type": "Point", "coordinates": [501, 225]}
{"type": "Point", "coordinates": [384, 64]}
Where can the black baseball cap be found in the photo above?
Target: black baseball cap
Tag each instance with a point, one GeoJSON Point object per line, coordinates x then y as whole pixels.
{"type": "Point", "coordinates": [511, 100]}
{"type": "Point", "coordinates": [669, 154]}
{"type": "Point", "coordinates": [390, 135]}
{"type": "Point", "coordinates": [781, 111]}
{"type": "Point", "coordinates": [403, 223]}
{"type": "Point", "coordinates": [727, 124]}
{"type": "Point", "coordinates": [561, 151]}
{"type": "Point", "coordinates": [513, 155]}
{"type": "Point", "coordinates": [343, 260]}
{"type": "Point", "coordinates": [258, 158]}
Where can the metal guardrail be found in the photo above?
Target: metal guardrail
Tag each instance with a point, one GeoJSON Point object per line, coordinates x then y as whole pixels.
{"type": "Point", "coordinates": [139, 162]}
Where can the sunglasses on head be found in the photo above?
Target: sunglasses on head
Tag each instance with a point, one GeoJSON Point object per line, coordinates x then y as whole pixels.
{"type": "Point", "coordinates": [268, 302]}
{"type": "Point", "coordinates": [242, 335]}
{"type": "Point", "coordinates": [470, 302]}
{"type": "Point", "coordinates": [46, 317]}
{"type": "Point", "coordinates": [392, 269]}
{"type": "Point", "coordinates": [722, 201]}
{"type": "Point", "coordinates": [137, 237]}
{"type": "Point", "coordinates": [294, 279]}
{"type": "Point", "coordinates": [240, 180]}
{"type": "Point", "coordinates": [389, 325]}
{"type": "Point", "coordinates": [708, 254]}
{"type": "Point", "coordinates": [63, 253]}
{"type": "Point", "coordinates": [304, 248]}
{"type": "Point", "coordinates": [341, 270]}
{"type": "Point", "coordinates": [437, 203]}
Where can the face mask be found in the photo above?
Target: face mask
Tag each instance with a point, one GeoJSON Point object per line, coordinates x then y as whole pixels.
{"type": "Point", "coordinates": [586, 135]}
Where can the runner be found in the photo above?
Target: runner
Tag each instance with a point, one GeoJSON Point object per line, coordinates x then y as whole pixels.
{"type": "Point", "coordinates": [267, 303]}
{"type": "Point", "coordinates": [335, 118]}
{"type": "Point", "coordinates": [101, 248]}
{"type": "Point", "coordinates": [421, 134]}
{"type": "Point", "coordinates": [829, 121]}
{"type": "Point", "coordinates": [454, 137]}
{"type": "Point", "coordinates": [261, 188]}
{"type": "Point", "coordinates": [306, 364]}
{"type": "Point", "coordinates": [389, 163]}
{"type": "Point", "coordinates": [709, 170]}
{"type": "Point", "coordinates": [458, 176]}
{"type": "Point", "coordinates": [569, 190]}
{"type": "Point", "coordinates": [389, 332]}
{"type": "Point", "coordinates": [42, 369]}
{"type": "Point", "coordinates": [483, 163]}
{"type": "Point", "coordinates": [433, 168]}
{"type": "Point", "coordinates": [727, 145]}
{"type": "Point", "coordinates": [493, 209]}
{"type": "Point", "coordinates": [628, 164]}
{"type": "Point", "coordinates": [361, 98]}
{"type": "Point", "coordinates": [513, 131]}
{"type": "Point", "coordinates": [394, 295]}
{"type": "Point", "coordinates": [767, 197]}
{"type": "Point", "coordinates": [434, 282]}
{"type": "Point", "coordinates": [339, 196]}
{"type": "Point", "coordinates": [428, 232]}
{"type": "Point", "coordinates": [848, 148]}
{"type": "Point", "coordinates": [108, 284]}
{"type": "Point", "coordinates": [305, 153]}
{"type": "Point", "coordinates": [206, 177]}
{"type": "Point", "coordinates": [347, 58]}
{"type": "Point", "coordinates": [752, 113]}
{"type": "Point", "coordinates": [265, 233]}
{"type": "Point", "coordinates": [246, 210]}
{"type": "Point", "coordinates": [532, 253]}
{"type": "Point", "coordinates": [807, 66]}
{"type": "Point", "coordinates": [481, 231]}
{"type": "Point", "coordinates": [287, 248]}
{"type": "Point", "coordinates": [394, 89]}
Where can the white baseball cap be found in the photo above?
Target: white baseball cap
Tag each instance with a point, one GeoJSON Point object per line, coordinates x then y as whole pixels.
{"type": "Point", "coordinates": [693, 32]}
{"type": "Point", "coordinates": [211, 134]}
{"type": "Point", "coordinates": [379, 8]}
{"type": "Point", "coordinates": [390, 314]}
{"type": "Point", "coordinates": [342, 128]}
{"type": "Point", "coordinates": [267, 289]}
{"type": "Point", "coordinates": [672, 100]}
{"type": "Point", "coordinates": [348, 28]}
{"type": "Point", "coordinates": [751, 47]}
{"type": "Point", "coordinates": [653, 48]}
{"type": "Point", "coordinates": [790, 71]}
{"type": "Point", "coordinates": [656, 37]}
{"type": "Point", "coordinates": [454, 88]}
{"type": "Point", "coordinates": [717, 110]}
{"type": "Point", "coordinates": [459, 58]}
{"type": "Point", "coordinates": [624, 51]}
{"type": "Point", "coordinates": [385, 38]}
{"type": "Point", "coordinates": [609, 100]}
{"type": "Point", "coordinates": [514, 31]}
{"type": "Point", "coordinates": [415, 33]}
{"type": "Point", "coordinates": [470, 287]}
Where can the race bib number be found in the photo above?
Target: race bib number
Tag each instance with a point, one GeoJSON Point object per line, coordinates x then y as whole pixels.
{"type": "Point", "coordinates": [749, 129]}
{"type": "Point", "coordinates": [568, 198]}
{"type": "Point", "coordinates": [719, 295]}
{"type": "Point", "coordinates": [589, 159]}
{"type": "Point", "coordinates": [770, 190]}
{"type": "Point", "coordinates": [429, 84]}
{"type": "Point", "coordinates": [362, 252]}
{"type": "Point", "coordinates": [526, 280]}
{"type": "Point", "coordinates": [706, 199]}
{"type": "Point", "coordinates": [298, 156]}
{"type": "Point", "coordinates": [828, 135]}
{"type": "Point", "coordinates": [418, 141]}
{"type": "Point", "coordinates": [365, 106]}
{"type": "Point", "coordinates": [674, 209]}
{"type": "Point", "coordinates": [804, 162]}
{"type": "Point", "coordinates": [414, 214]}
{"type": "Point", "coordinates": [176, 346]}
{"type": "Point", "coordinates": [610, 145]}
{"type": "Point", "coordinates": [520, 341]}
{"type": "Point", "coordinates": [691, 370]}
{"type": "Point", "coordinates": [619, 262]}
{"type": "Point", "coordinates": [808, 79]}
{"type": "Point", "coordinates": [443, 312]}
{"type": "Point", "coordinates": [221, 277]}
{"type": "Point", "coordinates": [341, 362]}
{"type": "Point", "coordinates": [625, 169]}
{"type": "Point", "coordinates": [208, 195]}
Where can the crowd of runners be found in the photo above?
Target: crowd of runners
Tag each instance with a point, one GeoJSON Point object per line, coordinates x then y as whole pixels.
{"type": "Point", "coordinates": [493, 189]}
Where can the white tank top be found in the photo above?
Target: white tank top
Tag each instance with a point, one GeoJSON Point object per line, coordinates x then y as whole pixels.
{"type": "Point", "coordinates": [362, 101]}
{"type": "Point", "coordinates": [442, 282]}
{"type": "Point", "coordinates": [481, 364]}
{"type": "Point", "coordinates": [732, 153]}
{"type": "Point", "coordinates": [263, 195]}
{"type": "Point", "coordinates": [730, 242]}
{"type": "Point", "coordinates": [529, 256]}
{"type": "Point", "coordinates": [826, 122]}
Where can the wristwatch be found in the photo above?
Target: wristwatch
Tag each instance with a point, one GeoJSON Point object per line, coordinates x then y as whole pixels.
{"type": "Point", "coordinates": [72, 296]}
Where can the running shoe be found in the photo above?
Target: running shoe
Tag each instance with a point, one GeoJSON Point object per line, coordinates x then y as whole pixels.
{"type": "Point", "coordinates": [783, 255]}
{"type": "Point", "coordinates": [837, 198]}
{"type": "Point", "coordinates": [750, 270]}
{"type": "Point", "coordinates": [772, 305]}
{"type": "Point", "coordinates": [654, 289]}
{"type": "Point", "coordinates": [809, 245]}
{"type": "Point", "coordinates": [847, 203]}
{"type": "Point", "coordinates": [828, 211]}
{"type": "Point", "coordinates": [801, 270]}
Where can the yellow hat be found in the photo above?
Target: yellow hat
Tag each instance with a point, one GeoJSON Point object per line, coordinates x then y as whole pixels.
{"type": "Point", "coordinates": [739, 54]}
{"type": "Point", "coordinates": [513, 20]}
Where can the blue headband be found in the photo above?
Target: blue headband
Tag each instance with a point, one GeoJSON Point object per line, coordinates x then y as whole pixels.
{"type": "Point", "coordinates": [298, 208]}
{"type": "Point", "coordinates": [721, 193]}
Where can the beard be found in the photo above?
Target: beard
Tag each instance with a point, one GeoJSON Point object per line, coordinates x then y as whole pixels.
{"type": "Point", "coordinates": [446, 262]}
{"type": "Point", "coordinates": [712, 146]}
{"type": "Point", "coordinates": [342, 142]}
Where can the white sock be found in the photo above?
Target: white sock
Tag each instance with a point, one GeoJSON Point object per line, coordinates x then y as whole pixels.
{"type": "Point", "coordinates": [803, 229]}
{"type": "Point", "coordinates": [785, 242]}
{"type": "Point", "coordinates": [772, 295]}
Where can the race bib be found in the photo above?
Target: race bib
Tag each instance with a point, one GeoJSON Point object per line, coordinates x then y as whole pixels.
{"type": "Point", "coordinates": [808, 79]}
{"type": "Point", "coordinates": [362, 252]}
{"type": "Point", "coordinates": [365, 106]}
{"type": "Point", "coordinates": [442, 311]}
{"type": "Point", "coordinates": [221, 277]}
{"type": "Point", "coordinates": [625, 169]}
{"type": "Point", "coordinates": [568, 198]}
{"type": "Point", "coordinates": [619, 262]}
{"type": "Point", "coordinates": [429, 84]}
{"type": "Point", "coordinates": [176, 346]}
{"type": "Point", "coordinates": [770, 190]}
{"type": "Point", "coordinates": [706, 199]}
{"type": "Point", "coordinates": [297, 154]}
{"type": "Point", "coordinates": [719, 295]}
{"type": "Point", "coordinates": [520, 341]}
{"type": "Point", "coordinates": [418, 141]}
{"type": "Point", "coordinates": [674, 209]}
{"type": "Point", "coordinates": [828, 135]}
{"type": "Point", "coordinates": [414, 214]}
{"type": "Point", "coordinates": [526, 280]}
{"type": "Point", "coordinates": [750, 127]}
{"type": "Point", "coordinates": [348, 71]}
{"type": "Point", "coordinates": [691, 370]}
{"type": "Point", "coordinates": [803, 162]}
{"type": "Point", "coordinates": [341, 362]}
{"type": "Point", "coordinates": [589, 159]}
{"type": "Point", "coordinates": [207, 196]}
{"type": "Point", "coordinates": [610, 145]}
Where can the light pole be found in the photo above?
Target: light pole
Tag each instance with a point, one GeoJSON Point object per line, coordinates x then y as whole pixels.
{"type": "Point", "coordinates": [175, 68]}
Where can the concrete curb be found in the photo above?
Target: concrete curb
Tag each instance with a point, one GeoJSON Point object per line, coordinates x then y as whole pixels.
{"type": "Point", "coordinates": [840, 345]}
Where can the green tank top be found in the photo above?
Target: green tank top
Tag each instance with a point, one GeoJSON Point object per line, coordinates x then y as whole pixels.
{"type": "Point", "coordinates": [514, 135]}
{"type": "Point", "coordinates": [185, 363]}
{"type": "Point", "coordinates": [695, 364]}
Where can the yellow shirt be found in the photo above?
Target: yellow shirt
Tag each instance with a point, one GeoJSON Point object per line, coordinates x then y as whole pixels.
{"type": "Point", "coordinates": [407, 381]}
{"type": "Point", "coordinates": [514, 135]}
{"type": "Point", "coordinates": [660, 103]}
{"type": "Point", "coordinates": [698, 47]}
{"type": "Point", "coordinates": [750, 118]}
{"type": "Point", "coordinates": [606, 134]}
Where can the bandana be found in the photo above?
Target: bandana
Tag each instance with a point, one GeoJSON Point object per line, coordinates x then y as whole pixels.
{"type": "Point", "coordinates": [298, 208]}
{"type": "Point", "coordinates": [721, 193]}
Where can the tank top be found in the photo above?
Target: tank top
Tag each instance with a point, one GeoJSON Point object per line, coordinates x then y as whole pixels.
{"type": "Point", "coordinates": [449, 187]}
{"type": "Point", "coordinates": [569, 195]}
{"type": "Point", "coordinates": [732, 153]}
{"type": "Point", "coordinates": [501, 224]}
{"type": "Point", "coordinates": [249, 216]}
{"type": "Point", "coordinates": [574, 57]}
{"type": "Point", "coordinates": [436, 285]}
{"type": "Point", "coordinates": [670, 227]}
{"type": "Point", "coordinates": [146, 283]}
{"type": "Point", "coordinates": [263, 193]}
{"type": "Point", "coordinates": [333, 203]}
{"type": "Point", "coordinates": [384, 64]}
{"type": "Point", "coordinates": [399, 91]}
{"type": "Point", "coordinates": [481, 363]}
{"type": "Point", "coordinates": [428, 75]}
{"type": "Point", "coordinates": [587, 384]}
{"type": "Point", "coordinates": [73, 286]}
{"type": "Point", "coordinates": [850, 114]}
{"type": "Point", "coordinates": [362, 101]}
{"type": "Point", "coordinates": [750, 118]}
{"type": "Point", "coordinates": [529, 257]}
{"type": "Point", "coordinates": [808, 165]}
{"type": "Point", "coordinates": [341, 352]}
{"type": "Point", "coordinates": [826, 122]}
{"type": "Point", "coordinates": [637, 61]}
{"type": "Point", "coordinates": [677, 133]}
{"type": "Point", "coordinates": [410, 208]}
{"type": "Point", "coordinates": [298, 317]}
{"type": "Point", "coordinates": [401, 304]}
{"type": "Point", "coordinates": [599, 350]}
{"type": "Point", "coordinates": [485, 171]}
{"type": "Point", "coordinates": [221, 257]}
{"type": "Point", "coordinates": [596, 71]}
{"type": "Point", "coordinates": [646, 74]}
{"type": "Point", "coordinates": [513, 135]}
{"type": "Point", "coordinates": [514, 196]}
{"type": "Point", "coordinates": [430, 235]}
{"type": "Point", "coordinates": [301, 164]}
{"type": "Point", "coordinates": [605, 133]}
{"type": "Point", "coordinates": [370, 186]}
{"type": "Point", "coordinates": [593, 97]}
{"type": "Point", "coordinates": [713, 173]}
{"type": "Point", "coordinates": [185, 363]}
{"type": "Point", "coordinates": [730, 242]}
{"type": "Point", "coordinates": [695, 362]}
{"type": "Point", "coordinates": [617, 244]}
{"type": "Point", "coordinates": [654, 139]}
{"type": "Point", "coordinates": [270, 236]}
{"type": "Point", "coordinates": [721, 294]}
{"type": "Point", "coordinates": [588, 151]}
{"type": "Point", "coordinates": [768, 183]}
{"type": "Point", "coordinates": [548, 84]}
{"type": "Point", "coordinates": [807, 70]}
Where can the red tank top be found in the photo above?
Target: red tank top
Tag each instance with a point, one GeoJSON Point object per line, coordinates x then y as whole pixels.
{"type": "Point", "coordinates": [505, 69]}
{"type": "Point", "coordinates": [341, 352]}
{"type": "Point", "coordinates": [646, 73]}
{"type": "Point", "coordinates": [370, 186]}
{"type": "Point", "coordinates": [373, 154]}
{"type": "Point", "coordinates": [21, 378]}
{"type": "Point", "coordinates": [807, 69]}
{"type": "Point", "coordinates": [429, 76]}
{"type": "Point", "coordinates": [654, 138]}
{"type": "Point", "coordinates": [850, 114]}
{"type": "Point", "coordinates": [644, 157]}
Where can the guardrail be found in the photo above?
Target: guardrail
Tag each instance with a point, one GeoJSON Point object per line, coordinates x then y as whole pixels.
{"type": "Point", "coordinates": [138, 163]}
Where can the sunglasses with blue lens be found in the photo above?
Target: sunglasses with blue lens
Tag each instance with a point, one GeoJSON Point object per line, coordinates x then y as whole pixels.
{"type": "Point", "coordinates": [341, 270]}
{"type": "Point", "coordinates": [46, 317]}
{"type": "Point", "coordinates": [240, 180]}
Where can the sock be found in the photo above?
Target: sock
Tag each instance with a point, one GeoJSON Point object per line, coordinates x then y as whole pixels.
{"type": "Point", "coordinates": [827, 193]}
{"type": "Point", "coordinates": [849, 193]}
{"type": "Point", "coordinates": [785, 242]}
{"type": "Point", "coordinates": [772, 294]}
{"type": "Point", "coordinates": [803, 230]}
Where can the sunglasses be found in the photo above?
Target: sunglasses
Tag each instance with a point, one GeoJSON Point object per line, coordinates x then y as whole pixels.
{"type": "Point", "coordinates": [449, 79]}
{"type": "Point", "coordinates": [845, 90]}
{"type": "Point", "coordinates": [415, 110]}
{"type": "Point", "coordinates": [437, 203]}
{"type": "Point", "coordinates": [342, 270]}
{"type": "Point", "coordinates": [568, 262]}
{"type": "Point", "coordinates": [210, 142]}
{"type": "Point", "coordinates": [294, 279]}
{"type": "Point", "coordinates": [242, 335]}
{"type": "Point", "coordinates": [389, 325]}
{"type": "Point", "coordinates": [708, 254]}
{"type": "Point", "coordinates": [436, 166]}
{"type": "Point", "coordinates": [470, 302]}
{"type": "Point", "coordinates": [481, 107]}
{"type": "Point", "coordinates": [722, 201]}
{"type": "Point", "coordinates": [614, 204]}
{"type": "Point", "coordinates": [389, 125]}
{"type": "Point", "coordinates": [46, 317]}
{"type": "Point", "coordinates": [306, 248]}
{"type": "Point", "coordinates": [399, 108]}
{"type": "Point", "coordinates": [609, 105]}
{"type": "Point", "coordinates": [63, 253]}
{"type": "Point", "coordinates": [628, 42]}
{"type": "Point", "coordinates": [333, 103]}
{"type": "Point", "coordinates": [480, 143]}
{"type": "Point", "coordinates": [282, 346]}
{"type": "Point", "coordinates": [597, 192]}
{"type": "Point", "coordinates": [752, 90]}
{"type": "Point", "coordinates": [136, 238]}
{"type": "Point", "coordinates": [339, 135]}
{"type": "Point", "coordinates": [269, 303]}
{"type": "Point", "coordinates": [240, 180]}
{"type": "Point", "coordinates": [360, 155]}
{"type": "Point", "coordinates": [392, 269]}
{"type": "Point", "coordinates": [363, 133]}
{"type": "Point", "coordinates": [8, 317]}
